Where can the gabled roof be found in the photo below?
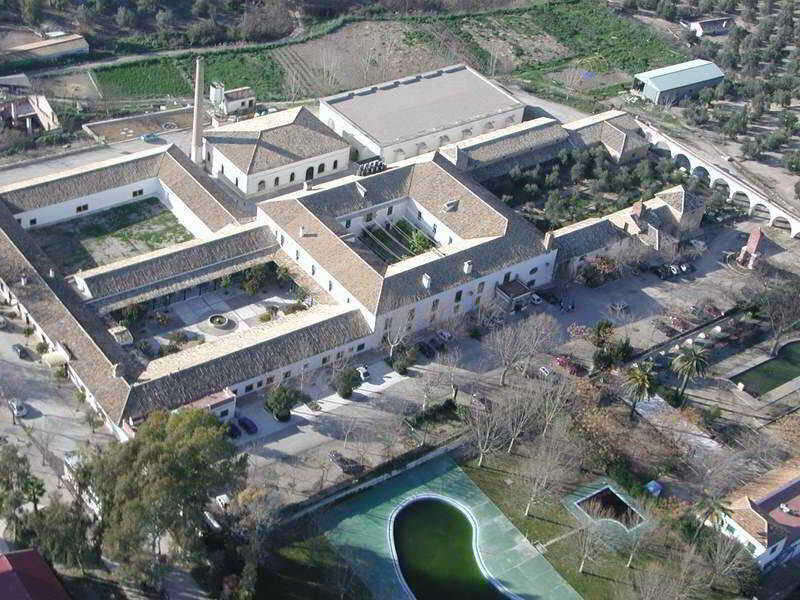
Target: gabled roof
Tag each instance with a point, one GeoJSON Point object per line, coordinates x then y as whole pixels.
{"type": "Point", "coordinates": [407, 108]}
{"type": "Point", "coordinates": [178, 267]}
{"type": "Point", "coordinates": [196, 372]}
{"type": "Point", "coordinates": [59, 311]}
{"type": "Point", "coordinates": [492, 235]}
{"type": "Point", "coordinates": [681, 74]}
{"type": "Point", "coordinates": [584, 237]}
{"type": "Point", "coordinates": [24, 575]}
{"type": "Point", "coordinates": [274, 140]}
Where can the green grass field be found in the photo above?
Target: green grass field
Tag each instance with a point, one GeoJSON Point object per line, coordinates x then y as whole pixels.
{"type": "Point", "coordinates": [151, 79]}
{"type": "Point", "coordinates": [256, 69]}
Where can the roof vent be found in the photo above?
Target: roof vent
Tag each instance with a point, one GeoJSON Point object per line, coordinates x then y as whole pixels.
{"type": "Point", "coordinates": [451, 205]}
{"type": "Point", "coordinates": [467, 267]}
{"type": "Point", "coordinates": [23, 281]}
{"type": "Point", "coordinates": [426, 281]}
{"type": "Point", "coordinates": [362, 191]}
{"type": "Point", "coordinates": [51, 273]}
{"type": "Point", "coordinates": [302, 231]}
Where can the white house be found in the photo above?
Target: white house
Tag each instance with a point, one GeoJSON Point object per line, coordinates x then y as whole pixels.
{"type": "Point", "coordinates": [414, 115]}
{"type": "Point", "coordinates": [275, 151]}
{"type": "Point", "coordinates": [765, 516]}
{"type": "Point", "coordinates": [230, 102]}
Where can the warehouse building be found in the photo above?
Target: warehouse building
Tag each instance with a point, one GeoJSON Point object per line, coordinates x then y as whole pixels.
{"type": "Point", "coordinates": [667, 85]}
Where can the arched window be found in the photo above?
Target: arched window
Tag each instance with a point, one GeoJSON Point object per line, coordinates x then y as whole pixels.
{"type": "Point", "coordinates": [533, 270]}
{"type": "Point", "coordinates": [321, 168]}
{"type": "Point", "coordinates": [335, 165]}
{"type": "Point", "coordinates": [277, 182]}
{"type": "Point", "coordinates": [291, 176]}
{"type": "Point", "coordinates": [261, 185]}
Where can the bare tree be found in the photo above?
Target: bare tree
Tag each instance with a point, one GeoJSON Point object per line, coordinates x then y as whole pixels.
{"type": "Point", "coordinates": [328, 63]}
{"type": "Point", "coordinates": [45, 437]}
{"type": "Point", "coordinates": [292, 86]}
{"type": "Point", "coordinates": [432, 380]}
{"type": "Point", "coordinates": [518, 341]}
{"type": "Point", "coordinates": [589, 538]}
{"type": "Point", "coordinates": [394, 337]}
{"type": "Point", "coordinates": [554, 460]}
{"type": "Point", "coordinates": [519, 412]}
{"type": "Point", "coordinates": [486, 426]}
{"type": "Point", "coordinates": [552, 399]}
{"type": "Point", "coordinates": [451, 365]}
{"type": "Point", "coordinates": [727, 559]}
{"type": "Point", "coordinates": [366, 59]}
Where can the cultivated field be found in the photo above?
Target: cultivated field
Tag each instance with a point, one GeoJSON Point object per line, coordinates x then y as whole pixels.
{"type": "Point", "coordinates": [70, 85]}
{"type": "Point", "coordinates": [148, 79]}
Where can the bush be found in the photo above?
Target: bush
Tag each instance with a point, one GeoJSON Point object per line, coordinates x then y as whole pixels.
{"type": "Point", "coordinates": [265, 317]}
{"type": "Point", "coordinates": [601, 360]}
{"type": "Point", "coordinates": [346, 382]}
{"type": "Point", "coordinates": [475, 333]}
{"type": "Point", "coordinates": [437, 412]}
{"type": "Point", "coordinates": [600, 333]}
{"type": "Point", "coordinates": [281, 400]}
{"type": "Point", "coordinates": [42, 347]}
{"type": "Point", "coordinates": [401, 365]}
{"type": "Point", "coordinates": [293, 308]}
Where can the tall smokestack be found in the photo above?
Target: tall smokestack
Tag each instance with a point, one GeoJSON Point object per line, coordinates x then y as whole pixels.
{"type": "Point", "coordinates": [197, 122]}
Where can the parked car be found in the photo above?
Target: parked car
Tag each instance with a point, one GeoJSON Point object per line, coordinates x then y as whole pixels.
{"type": "Point", "coordinates": [233, 431]}
{"type": "Point", "coordinates": [443, 335]}
{"type": "Point", "coordinates": [363, 372]}
{"type": "Point", "coordinates": [437, 344]}
{"type": "Point", "coordinates": [687, 267]}
{"type": "Point", "coordinates": [21, 351]}
{"type": "Point", "coordinates": [425, 350]}
{"type": "Point", "coordinates": [568, 364]}
{"type": "Point", "coordinates": [18, 407]}
{"type": "Point", "coordinates": [248, 425]}
{"type": "Point", "coordinates": [674, 269]}
{"type": "Point", "coordinates": [536, 299]}
{"type": "Point", "coordinates": [149, 137]}
{"type": "Point", "coordinates": [544, 372]}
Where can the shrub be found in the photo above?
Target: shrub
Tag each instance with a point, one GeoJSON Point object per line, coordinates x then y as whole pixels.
{"type": "Point", "coordinates": [601, 360]}
{"type": "Point", "coordinates": [293, 308]}
{"type": "Point", "coordinates": [600, 333]}
{"type": "Point", "coordinates": [42, 347]}
{"type": "Point", "coordinates": [346, 382]}
{"type": "Point", "coordinates": [281, 400]}
{"type": "Point", "coordinates": [475, 333]}
{"type": "Point", "coordinates": [401, 365]}
{"type": "Point", "coordinates": [620, 351]}
{"type": "Point", "coordinates": [437, 412]}
{"type": "Point", "coordinates": [266, 317]}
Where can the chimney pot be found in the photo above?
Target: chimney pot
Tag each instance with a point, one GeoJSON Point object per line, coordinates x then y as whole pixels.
{"type": "Point", "coordinates": [52, 273]}
{"type": "Point", "coordinates": [302, 231]}
{"type": "Point", "coordinates": [426, 281]}
{"type": "Point", "coordinates": [23, 281]}
{"type": "Point", "coordinates": [467, 267]}
{"type": "Point", "coordinates": [306, 185]}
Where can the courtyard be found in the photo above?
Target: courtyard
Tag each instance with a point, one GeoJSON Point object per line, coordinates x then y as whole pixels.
{"type": "Point", "coordinates": [111, 235]}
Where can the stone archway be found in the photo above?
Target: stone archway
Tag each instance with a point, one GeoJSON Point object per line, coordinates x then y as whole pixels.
{"type": "Point", "coordinates": [782, 223]}
{"type": "Point", "coordinates": [760, 211]}
{"type": "Point", "coordinates": [701, 173]}
{"type": "Point", "coordinates": [721, 186]}
{"type": "Point", "coordinates": [682, 161]}
{"type": "Point", "coordinates": [741, 200]}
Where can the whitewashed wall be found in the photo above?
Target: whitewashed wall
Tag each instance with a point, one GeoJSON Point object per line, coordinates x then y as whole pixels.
{"type": "Point", "coordinates": [185, 216]}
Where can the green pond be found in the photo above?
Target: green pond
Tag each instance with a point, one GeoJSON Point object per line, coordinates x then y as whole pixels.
{"type": "Point", "coordinates": [772, 373]}
{"type": "Point", "coordinates": [433, 541]}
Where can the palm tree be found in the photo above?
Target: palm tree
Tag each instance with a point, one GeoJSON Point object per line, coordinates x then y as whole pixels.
{"type": "Point", "coordinates": [639, 384]}
{"type": "Point", "coordinates": [711, 509]}
{"type": "Point", "coordinates": [690, 363]}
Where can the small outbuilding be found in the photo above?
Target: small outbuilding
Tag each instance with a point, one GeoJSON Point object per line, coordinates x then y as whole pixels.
{"type": "Point", "coordinates": [712, 26]}
{"type": "Point", "coordinates": [667, 85]}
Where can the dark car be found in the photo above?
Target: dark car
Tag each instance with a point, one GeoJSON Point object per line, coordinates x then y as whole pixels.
{"type": "Point", "coordinates": [437, 344]}
{"type": "Point", "coordinates": [233, 431]}
{"type": "Point", "coordinates": [425, 350]}
{"type": "Point", "coordinates": [20, 350]}
{"type": "Point", "coordinates": [247, 425]}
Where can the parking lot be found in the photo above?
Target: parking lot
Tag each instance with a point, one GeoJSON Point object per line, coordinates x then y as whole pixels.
{"type": "Point", "coordinates": [55, 419]}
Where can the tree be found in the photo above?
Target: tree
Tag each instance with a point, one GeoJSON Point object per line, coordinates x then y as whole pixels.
{"type": "Point", "coordinates": [751, 148]}
{"type": "Point", "coordinates": [61, 533]}
{"type": "Point", "coordinates": [164, 19]}
{"type": "Point", "coordinates": [125, 17]}
{"type": "Point", "coordinates": [485, 424]}
{"type": "Point", "coordinates": [589, 538]}
{"type": "Point", "coordinates": [282, 399]}
{"type": "Point", "coordinates": [691, 362]}
{"type": "Point", "coordinates": [18, 486]}
{"type": "Point", "coordinates": [710, 509]}
{"type": "Point", "coordinates": [727, 559]}
{"type": "Point", "coordinates": [92, 419]}
{"type": "Point", "coordinates": [792, 161]}
{"type": "Point", "coordinates": [639, 382]}
{"type": "Point", "coordinates": [31, 11]}
{"type": "Point", "coordinates": [159, 483]}
{"type": "Point", "coordinates": [555, 458]}
{"type": "Point", "coordinates": [518, 341]}
{"type": "Point", "coordinates": [776, 297]}
{"type": "Point", "coordinates": [519, 411]}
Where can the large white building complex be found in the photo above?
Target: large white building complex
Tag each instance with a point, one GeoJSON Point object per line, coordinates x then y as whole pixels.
{"type": "Point", "coordinates": [394, 251]}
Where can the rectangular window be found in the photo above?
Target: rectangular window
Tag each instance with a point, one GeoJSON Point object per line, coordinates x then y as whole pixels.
{"type": "Point", "coordinates": [260, 383]}
{"type": "Point", "coordinates": [248, 388]}
{"type": "Point", "coordinates": [480, 286]}
{"type": "Point", "coordinates": [137, 193]}
{"type": "Point", "coordinates": [335, 165]}
{"type": "Point", "coordinates": [434, 229]}
{"type": "Point", "coordinates": [291, 176]}
{"type": "Point", "coordinates": [82, 208]}
{"type": "Point", "coordinates": [330, 285]}
{"type": "Point", "coordinates": [347, 224]}
{"type": "Point", "coordinates": [32, 222]}
{"type": "Point", "coordinates": [368, 217]}
{"type": "Point", "coordinates": [477, 300]}
{"type": "Point", "coordinates": [223, 413]}
{"type": "Point", "coordinates": [339, 354]}
{"type": "Point", "coordinates": [458, 296]}
{"type": "Point", "coordinates": [270, 379]}
{"type": "Point", "coordinates": [390, 210]}
{"type": "Point", "coordinates": [419, 215]}
{"type": "Point", "coordinates": [435, 305]}
{"type": "Point", "coordinates": [359, 348]}
{"type": "Point", "coordinates": [287, 374]}
{"type": "Point", "coordinates": [324, 360]}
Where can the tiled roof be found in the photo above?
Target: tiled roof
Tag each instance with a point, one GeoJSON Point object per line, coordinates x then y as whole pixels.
{"type": "Point", "coordinates": [177, 267]}
{"type": "Point", "coordinates": [615, 129]}
{"type": "Point", "coordinates": [239, 93]}
{"type": "Point", "coordinates": [75, 183]}
{"type": "Point", "coordinates": [274, 140]}
{"type": "Point", "coordinates": [407, 108]}
{"type": "Point", "coordinates": [201, 194]}
{"type": "Point", "coordinates": [24, 575]}
{"type": "Point", "coordinates": [180, 378]}
{"type": "Point", "coordinates": [58, 310]}
{"type": "Point", "coordinates": [585, 237]}
{"type": "Point", "coordinates": [493, 236]}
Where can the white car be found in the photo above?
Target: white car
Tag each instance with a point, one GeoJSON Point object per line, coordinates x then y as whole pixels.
{"type": "Point", "coordinates": [544, 372]}
{"type": "Point", "coordinates": [535, 299]}
{"type": "Point", "coordinates": [363, 372]}
{"type": "Point", "coordinates": [443, 335]}
{"type": "Point", "coordinates": [18, 408]}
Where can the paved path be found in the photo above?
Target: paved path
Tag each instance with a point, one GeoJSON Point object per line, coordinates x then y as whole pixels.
{"type": "Point", "coordinates": [359, 528]}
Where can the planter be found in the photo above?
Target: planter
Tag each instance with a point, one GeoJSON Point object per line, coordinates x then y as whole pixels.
{"type": "Point", "coordinates": [219, 321]}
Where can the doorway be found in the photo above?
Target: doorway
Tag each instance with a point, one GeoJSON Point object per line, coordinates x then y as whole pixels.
{"type": "Point", "coordinates": [309, 173]}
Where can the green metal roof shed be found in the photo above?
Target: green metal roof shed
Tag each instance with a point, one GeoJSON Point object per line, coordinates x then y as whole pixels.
{"type": "Point", "coordinates": [668, 84]}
